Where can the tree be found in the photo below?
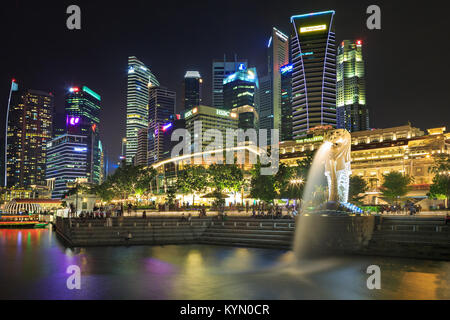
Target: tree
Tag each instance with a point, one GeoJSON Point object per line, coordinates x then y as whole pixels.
{"type": "Point", "coordinates": [357, 186]}
{"type": "Point", "coordinates": [194, 178]}
{"type": "Point", "coordinates": [126, 180]}
{"type": "Point", "coordinates": [262, 186]}
{"type": "Point", "coordinates": [440, 188]}
{"type": "Point", "coordinates": [227, 177]}
{"type": "Point", "coordinates": [395, 185]}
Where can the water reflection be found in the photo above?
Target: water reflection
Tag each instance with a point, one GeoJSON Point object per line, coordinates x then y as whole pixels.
{"type": "Point", "coordinates": [33, 265]}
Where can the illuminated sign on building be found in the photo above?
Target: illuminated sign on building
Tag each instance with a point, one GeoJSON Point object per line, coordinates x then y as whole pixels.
{"type": "Point", "coordinates": [223, 113]}
{"type": "Point", "coordinates": [73, 121]}
{"type": "Point", "coordinates": [78, 149]}
{"type": "Point", "coordinates": [190, 113]}
{"type": "Point", "coordinates": [286, 68]}
{"type": "Point", "coordinates": [313, 28]}
{"type": "Point", "coordinates": [309, 140]}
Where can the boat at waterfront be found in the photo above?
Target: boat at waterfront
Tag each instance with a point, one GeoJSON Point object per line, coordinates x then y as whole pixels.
{"type": "Point", "coordinates": [21, 221]}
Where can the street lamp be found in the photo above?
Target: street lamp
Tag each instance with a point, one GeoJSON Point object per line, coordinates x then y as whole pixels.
{"type": "Point", "coordinates": [296, 181]}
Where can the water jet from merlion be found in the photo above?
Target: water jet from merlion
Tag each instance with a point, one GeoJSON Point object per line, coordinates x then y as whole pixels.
{"type": "Point", "coordinates": [327, 222]}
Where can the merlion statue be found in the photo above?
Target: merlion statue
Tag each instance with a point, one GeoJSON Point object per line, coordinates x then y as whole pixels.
{"type": "Point", "coordinates": [337, 166]}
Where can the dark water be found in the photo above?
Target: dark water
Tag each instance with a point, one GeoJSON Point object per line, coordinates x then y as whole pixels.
{"type": "Point", "coordinates": [33, 265]}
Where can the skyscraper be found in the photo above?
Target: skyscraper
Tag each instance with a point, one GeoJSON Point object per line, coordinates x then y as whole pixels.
{"type": "Point", "coordinates": [286, 102]}
{"type": "Point", "coordinates": [220, 70]}
{"type": "Point", "coordinates": [278, 55]}
{"type": "Point", "coordinates": [29, 129]}
{"type": "Point", "coordinates": [141, 156]}
{"type": "Point", "coordinates": [83, 118]}
{"type": "Point", "coordinates": [209, 118]}
{"type": "Point", "coordinates": [313, 56]}
{"type": "Point", "coordinates": [140, 79]}
{"type": "Point", "coordinates": [192, 90]}
{"type": "Point", "coordinates": [161, 111]}
{"type": "Point", "coordinates": [67, 161]}
{"type": "Point", "coordinates": [352, 112]}
{"type": "Point", "coordinates": [239, 95]}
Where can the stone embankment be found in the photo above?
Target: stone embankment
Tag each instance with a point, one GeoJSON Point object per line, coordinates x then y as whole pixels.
{"type": "Point", "coordinates": [400, 236]}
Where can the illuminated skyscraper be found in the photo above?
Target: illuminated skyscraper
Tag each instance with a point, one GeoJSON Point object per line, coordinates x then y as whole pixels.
{"type": "Point", "coordinates": [352, 112]}
{"type": "Point", "coordinates": [161, 111]}
{"type": "Point", "coordinates": [313, 56]}
{"type": "Point", "coordinates": [192, 90]}
{"type": "Point", "coordinates": [83, 118]}
{"type": "Point", "coordinates": [140, 79]}
{"type": "Point", "coordinates": [220, 70]}
{"type": "Point", "coordinates": [29, 129]}
{"type": "Point", "coordinates": [278, 55]}
{"type": "Point", "coordinates": [286, 102]}
{"type": "Point", "coordinates": [239, 96]}
{"type": "Point", "coordinates": [67, 160]}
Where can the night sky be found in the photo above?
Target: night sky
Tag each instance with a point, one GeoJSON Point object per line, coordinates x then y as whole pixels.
{"type": "Point", "coordinates": [407, 63]}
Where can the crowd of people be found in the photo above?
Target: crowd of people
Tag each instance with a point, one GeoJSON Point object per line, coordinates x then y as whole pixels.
{"type": "Point", "coordinates": [409, 208]}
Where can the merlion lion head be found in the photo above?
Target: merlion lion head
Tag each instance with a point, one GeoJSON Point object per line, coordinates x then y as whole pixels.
{"type": "Point", "coordinates": [340, 140]}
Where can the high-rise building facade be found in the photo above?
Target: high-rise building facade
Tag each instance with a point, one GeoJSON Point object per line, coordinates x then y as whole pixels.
{"type": "Point", "coordinates": [139, 80]}
{"type": "Point", "coordinates": [286, 102]}
{"type": "Point", "coordinates": [67, 161]}
{"type": "Point", "coordinates": [209, 118]}
{"type": "Point", "coordinates": [85, 104]}
{"type": "Point", "coordinates": [161, 111]}
{"type": "Point", "coordinates": [28, 132]}
{"type": "Point", "coordinates": [313, 55]}
{"type": "Point", "coordinates": [220, 70]}
{"type": "Point", "coordinates": [240, 91]}
{"type": "Point", "coordinates": [83, 118]}
{"type": "Point", "coordinates": [192, 90]}
{"type": "Point", "coordinates": [278, 55]}
{"type": "Point", "coordinates": [141, 156]}
{"type": "Point", "coordinates": [352, 112]}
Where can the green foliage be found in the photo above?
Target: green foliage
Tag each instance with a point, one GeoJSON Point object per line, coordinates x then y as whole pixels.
{"type": "Point", "coordinates": [440, 188]}
{"type": "Point", "coordinates": [395, 186]}
{"type": "Point", "coordinates": [357, 186]}
{"type": "Point", "coordinates": [225, 177]}
{"type": "Point", "coordinates": [193, 178]}
{"type": "Point", "coordinates": [126, 180]}
{"type": "Point", "coordinates": [262, 186]}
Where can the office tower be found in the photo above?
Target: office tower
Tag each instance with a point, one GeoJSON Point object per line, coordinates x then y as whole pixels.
{"type": "Point", "coordinates": [84, 103]}
{"type": "Point", "coordinates": [352, 112]}
{"type": "Point", "coordinates": [239, 95]}
{"type": "Point", "coordinates": [67, 161]}
{"type": "Point", "coordinates": [313, 56]}
{"type": "Point", "coordinates": [59, 124]}
{"type": "Point", "coordinates": [220, 70]}
{"type": "Point", "coordinates": [141, 156]}
{"type": "Point", "coordinates": [83, 118]}
{"type": "Point", "coordinates": [161, 110]}
{"type": "Point", "coordinates": [210, 118]}
{"type": "Point", "coordinates": [28, 131]}
{"type": "Point", "coordinates": [192, 90]}
{"type": "Point", "coordinates": [286, 104]}
{"type": "Point", "coordinates": [278, 55]}
{"type": "Point", "coordinates": [265, 109]}
{"type": "Point", "coordinates": [140, 79]}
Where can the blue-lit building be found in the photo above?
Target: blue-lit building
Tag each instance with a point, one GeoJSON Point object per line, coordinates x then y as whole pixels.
{"type": "Point", "coordinates": [161, 113]}
{"type": "Point", "coordinates": [220, 70]}
{"type": "Point", "coordinates": [313, 54]}
{"type": "Point", "coordinates": [67, 161]}
{"type": "Point", "coordinates": [286, 102]}
{"type": "Point", "coordinates": [240, 96]}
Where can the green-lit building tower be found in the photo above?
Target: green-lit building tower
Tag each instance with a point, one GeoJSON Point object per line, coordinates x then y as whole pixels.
{"type": "Point", "coordinates": [352, 112]}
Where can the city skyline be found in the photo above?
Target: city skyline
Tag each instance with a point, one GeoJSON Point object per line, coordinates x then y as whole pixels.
{"type": "Point", "coordinates": [392, 104]}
